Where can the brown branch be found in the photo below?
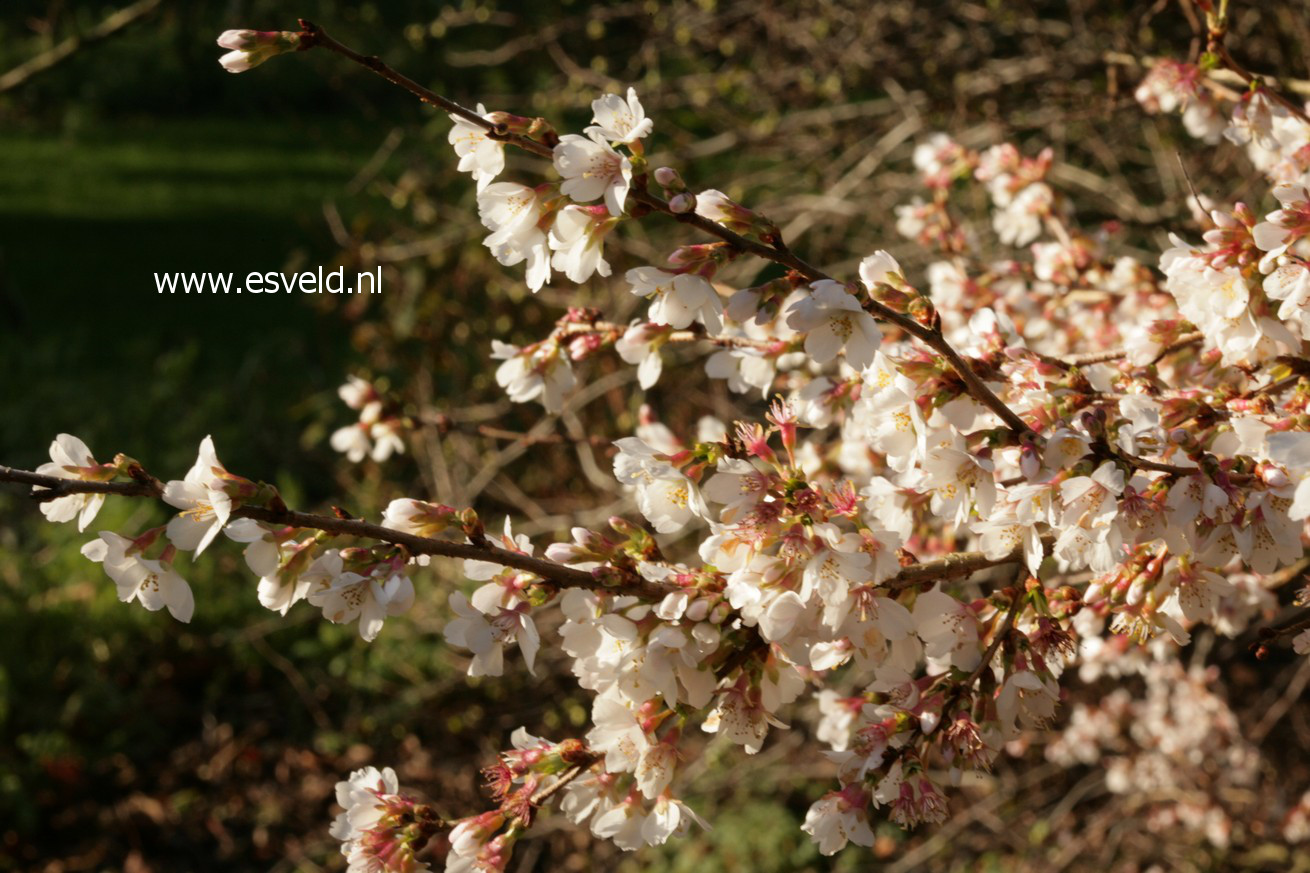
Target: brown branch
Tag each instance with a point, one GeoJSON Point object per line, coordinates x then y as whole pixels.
{"type": "Point", "coordinates": [1109, 355]}
{"type": "Point", "coordinates": [54, 487]}
{"type": "Point", "coordinates": [1295, 626]}
{"type": "Point", "coordinates": [956, 566]}
{"type": "Point", "coordinates": [779, 253]}
{"type": "Point", "coordinates": [675, 336]}
{"type": "Point", "coordinates": [564, 576]}
{"type": "Point", "coordinates": [1016, 604]}
{"type": "Point", "coordinates": [564, 779]}
{"type": "Point", "coordinates": [1216, 46]}
{"type": "Point", "coordinates": [1296, 86]}
{"type": "Point", "coordinates": [1277, 385]}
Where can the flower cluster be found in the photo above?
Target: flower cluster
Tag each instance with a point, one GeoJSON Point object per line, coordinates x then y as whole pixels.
{"type": "Point", "coordinates": [1124, 450]}
{"type": "Point", "coordinates": [380, 429]}
{"type": "Point", "coordinates": [382, 830]}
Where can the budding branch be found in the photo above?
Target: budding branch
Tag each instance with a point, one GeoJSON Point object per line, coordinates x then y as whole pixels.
{"type": "Point", "coordinates": [314, 36]}
{"type": "Point", "coordinates": [955, 566]}
{"type": "Point", "coordinates": [564, 576]}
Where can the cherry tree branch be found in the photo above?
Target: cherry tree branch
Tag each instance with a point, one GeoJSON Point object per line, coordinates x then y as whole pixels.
{"type": "Point", "coordinates": [1218, 49]}
{"type": "Point", "coordinates": [560, 574]}
{"type": "Point", "coordinates": [674, 336]}
{"type": "Point", "coordinates": [956, 566]}
{"type": "Point", "coordinates": [1012, 613]}
{"type": "Point", "coordinates": [1105, 357]}
{"type": "Point", "coordinates": [564, 779]}
{"type": "Point", "coordinates": [314, 36]}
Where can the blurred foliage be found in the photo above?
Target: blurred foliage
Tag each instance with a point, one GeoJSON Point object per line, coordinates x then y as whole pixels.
{"type": "Point", "coordinates": [128, 742]}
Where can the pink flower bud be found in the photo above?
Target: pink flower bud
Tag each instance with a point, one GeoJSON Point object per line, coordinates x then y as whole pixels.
{"type": "Point", "coordinates": [250, 48]}
{"type": "Point", "coordinates": [669, 178]}
{"type": "Point", "coordinates": [682, 203]}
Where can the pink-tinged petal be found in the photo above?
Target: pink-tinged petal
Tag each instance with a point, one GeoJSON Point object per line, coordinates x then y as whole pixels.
{"type": "Point", "coordinates": [401, 595]}
{"type": "Point", "coordinates": [222, 506]}
{"type": "Point", "coordinates": [860, 349]}
{"type": "Point", "coordinates": [1033, 550]}
{"type": "Point", "coordinates": [263, 557]}
{"type": "Point", "coordinates": [92, 505]}
{"type": "Point", "coordinates": [648, 371]}
{"type": "Point", "coordinates": [96, 550]}
{"type": "Point", "coordinates": [371, 616]}
{"type": "Point", "coordinates": [181, 602]}
{"type": "Point", "coordinates": [208, 460]}
{"type": "Point", "coordinates": [245, 530]}
{"type": "Point", "coordinates": [1269, 236]}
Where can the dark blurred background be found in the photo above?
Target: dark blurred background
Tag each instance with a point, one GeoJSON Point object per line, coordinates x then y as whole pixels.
{"type": "Point", "coordinates": [131, 743]}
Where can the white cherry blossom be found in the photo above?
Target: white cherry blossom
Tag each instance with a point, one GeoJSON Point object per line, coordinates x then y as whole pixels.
{"type": "Point", "coordinates": [152, 583]}
{"type": "Point", "coordinates": [592, 169]}
{"type": "Point", "coordinates": [678, 299]}
{"type": "Point", "coordinates": [618, 120]}
{"type": "Point", "coordinates": [514, 214]}
{"type": "Point", "coordinates": [203, 498]}
{"type": "Point", "coordinates": [479, 155]}
{"type": "Point", "coordinates": [834, 323]}
{"type": "Point", "coordinates": [71, 459]}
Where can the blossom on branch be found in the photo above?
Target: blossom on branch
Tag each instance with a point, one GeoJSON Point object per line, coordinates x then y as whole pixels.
{"type": "Point", "coordinates": [345, 595]}
{"type": "Point", "coordinates": [206, 497]}
{"type": "Point", "coordinates": [152, 583]}
{"type": "Point", "coordinates": [480, 156]}
{"type": "Point", "coordinates": [71, 459]}
{"type": "Point", "coordinates": [592, 169]}
{"type": "Point", "coordinates": [678, 299]}
{"type": "Point", "coordinates": [834, 323]}
{"type": "Point", "coordinates": [618, 120]}
{"type": "Point", "coordinates": [515, 215]}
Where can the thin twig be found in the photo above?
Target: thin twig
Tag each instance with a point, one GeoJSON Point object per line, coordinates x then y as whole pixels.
{"type": "Point", "coordinates": [1083, 360]}
{"type": "Point", "coordinates": [1216, 46]}
{"type": "Point", "coordinates": [954, 566]}
{"type": "Point", "coordinates": [564, 779]}
{"type": "Point", "coordinates": [1016, 604]}
{"type": "Point", "coordinates": [606, 328]}
{"type": "Point", "coordinates": [564, 576]}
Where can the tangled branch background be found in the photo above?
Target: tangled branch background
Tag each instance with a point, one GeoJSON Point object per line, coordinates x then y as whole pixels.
{"type": "Point", "coordinates": [984, 539]}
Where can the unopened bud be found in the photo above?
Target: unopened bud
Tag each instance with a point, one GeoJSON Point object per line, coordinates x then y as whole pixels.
{"type": "Point", "coordinates": [682, 203]}
{"type": "Point", "coordinates": [250, 48]}
{"type": "Point", "coordinates": [668, 178]}
{"type": "Point", "coordinates": [622, 526]}
{"type": "Point", "coordinates": [1136, 591]}
{"type": "Point", "coordinates": [697, 610]}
